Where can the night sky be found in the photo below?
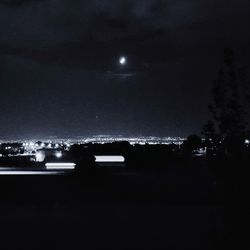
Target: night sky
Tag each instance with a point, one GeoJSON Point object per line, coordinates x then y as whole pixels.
{"type": "Point", "coordinates": [60, 73]}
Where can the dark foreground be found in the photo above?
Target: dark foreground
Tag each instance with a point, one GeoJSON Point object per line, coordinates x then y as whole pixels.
{"type": "Point", "coordinates": [176, 208]}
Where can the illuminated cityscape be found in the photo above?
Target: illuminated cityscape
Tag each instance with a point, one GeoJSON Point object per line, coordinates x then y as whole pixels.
{"type": "Point", "coordinates": [30, 147]}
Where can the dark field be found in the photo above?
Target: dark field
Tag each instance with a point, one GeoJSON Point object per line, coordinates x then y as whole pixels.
{"type": "Point", "coordinates": [175, 208]}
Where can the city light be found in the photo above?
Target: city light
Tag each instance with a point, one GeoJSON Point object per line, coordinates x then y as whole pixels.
{"type": "Point", "coordinates": [40, 156]}
{"type": "Point", "coordinates": [58, 154]}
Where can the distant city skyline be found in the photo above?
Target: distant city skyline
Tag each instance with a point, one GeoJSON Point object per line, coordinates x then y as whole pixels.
{"type": "Point", "coordinates": [98, 139]}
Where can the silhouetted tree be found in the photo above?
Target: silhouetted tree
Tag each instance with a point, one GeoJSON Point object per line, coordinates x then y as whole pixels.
{"type": "Point", "coordinates": [83, 158]}
{"type": "Point", "coordinates": [193, 142]}
{"type": "Point", "coordinates": [230, 93]}
{"type": "Point", "coordinates": [209, 130]}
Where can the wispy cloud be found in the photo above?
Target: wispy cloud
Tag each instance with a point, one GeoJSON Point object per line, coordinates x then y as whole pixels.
{"type": "Point", "coordinates": [17, 2]}
{"type": "Point", "coordinates": [120, 76]}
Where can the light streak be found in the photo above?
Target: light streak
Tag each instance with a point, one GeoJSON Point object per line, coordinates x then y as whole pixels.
{"type": "Point", "coordinates": [60, 166]}
{"type": "Point", "coordinates": [109, 158]}
{"type": "Point", "coordinates": [28, 172]}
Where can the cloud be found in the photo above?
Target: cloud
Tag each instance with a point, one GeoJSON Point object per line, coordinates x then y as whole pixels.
{"type": "Point", "coordinates": [17, 2]}
{"type": "Point", "coordinates": [91, 33]}
{"type": "Point", "coordinates": [60, 21]}
{"type": "Point", "coordinates": [73, 32]}
{"type": "Point", "coordinates": [121, 76]}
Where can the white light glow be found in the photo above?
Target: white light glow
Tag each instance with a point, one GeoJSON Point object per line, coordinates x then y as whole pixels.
{"type": "Point", "coordinates": [109, 158]}
{"type": "Point", "coordinates": [60, 166]}
{"type": "Point", "coordinates": [58, 154]}
{"type": "Point", "coordinates": [247, 141]}
{"type": "Point", "coordinates": [123, 60]}
{"type": "Point", "coordinates": [40, 156]}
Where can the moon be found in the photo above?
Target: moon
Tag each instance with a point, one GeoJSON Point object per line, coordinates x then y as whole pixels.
{"type": "Point", "coordinates": [122, 60]}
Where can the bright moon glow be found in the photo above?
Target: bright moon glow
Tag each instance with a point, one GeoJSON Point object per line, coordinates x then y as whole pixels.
{"type": "Point", "coordinates": [123, 60]}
